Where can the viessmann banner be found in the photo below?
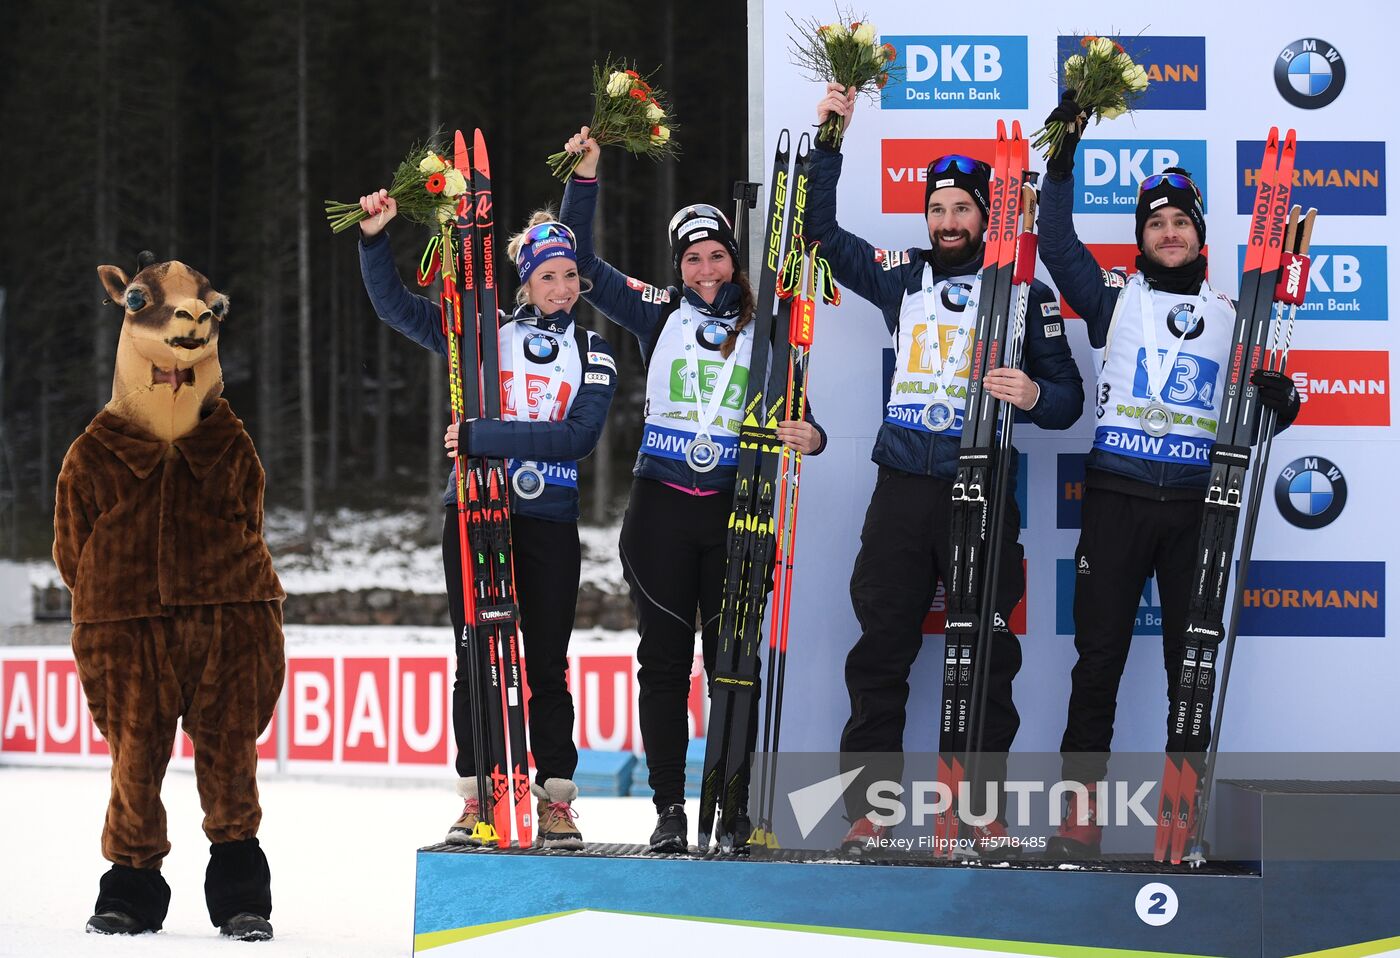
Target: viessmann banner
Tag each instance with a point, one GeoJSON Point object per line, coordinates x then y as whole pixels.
{"type": "Point", "coordinates": [1316, 611]}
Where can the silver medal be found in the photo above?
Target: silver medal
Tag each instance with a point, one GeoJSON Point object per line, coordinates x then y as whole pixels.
{"type": "Point", "coordinates": [939, 415]}
{"type": "Point", "coordinates": [1156, 419]}
{"type": "Point", "coordinates": [702, 454]}
{"type": "Point", "coordinates": [527, 481]}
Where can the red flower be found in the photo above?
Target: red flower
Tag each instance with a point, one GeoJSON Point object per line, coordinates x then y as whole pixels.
{"type": "Point", "coordinates": [656, 131]}
{"type": "Point", "coordinates": [855, 25]}
{"type": "Point", "coordinates": [881, 80]}
{"type": "Point", "coordinates": [633, 74]}
{"type": "Point", "coordinates": [1085, 41]}
{"type": "Point", "coordinates": [889, 51]}
{"type": "Point", "coordinates": [435, 183]}
{"type": "Point", "coordinates": [638, 95]}
{"type": "Point", "coordinates": [1119, 47]}
{"type": "Point", "coordinates": [643, 86]}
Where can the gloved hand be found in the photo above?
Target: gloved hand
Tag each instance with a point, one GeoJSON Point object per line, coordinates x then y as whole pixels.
{"type": "Point", "coordinates": [1277, 392]}
{"type": "Point", "coordinates": [1061, 165]}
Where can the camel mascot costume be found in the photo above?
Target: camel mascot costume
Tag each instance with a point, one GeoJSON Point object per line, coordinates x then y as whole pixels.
{"type": "Point", "coordinates": [177, 613]}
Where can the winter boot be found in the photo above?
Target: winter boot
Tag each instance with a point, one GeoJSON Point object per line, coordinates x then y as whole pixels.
{"type": "Point", "coordinates": [246, 926]}
{"type": "Point", "coordinates": [237, 882]}
{"type": "Point", "coordinates": [555, 815]}
{"type": "Point", "coordinates": [1078, 838]}
{"type": "Point", "coordinates": [130, 901]}
{"type": "Point", "coordinates": [990, 843]}
{"type": "Point", "coordinates": [671, 831]}
{"type": "Point", "coordinates": [461, 831]}
{"type": "Point", "coordinates": [865, 837]}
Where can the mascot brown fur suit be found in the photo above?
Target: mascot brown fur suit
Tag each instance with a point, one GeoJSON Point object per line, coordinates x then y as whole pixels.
{"type": "Point", "coordinates": [177, 613]}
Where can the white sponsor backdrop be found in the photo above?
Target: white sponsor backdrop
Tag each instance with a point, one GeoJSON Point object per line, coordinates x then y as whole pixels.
{"type": "Point", "coordinates": [1329, 684]}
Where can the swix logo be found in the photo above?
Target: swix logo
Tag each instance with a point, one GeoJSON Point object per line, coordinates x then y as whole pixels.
{"type": "Point", "coordinates": [1107, 179]}
{"type": "Point", "coordinates": [904, 168]}
{"type": "Point", "coordinates": [1336, 176]}
{"type": "Point", "coordinates": [1176, 69]}
{"type": "Point", "coordinates": [1147, 621]}
{"type": "Point", "coordinates": [1293, 276]}
{"type": "Point", "coordinates": [775, 228]}
{"type": "Point", "coordinates": [1341, 387]}
{"type": "Point", "coordinates": [1345, 282]}
{"type": "Point", "coordinates": [1314, 598]}
{"type": "Point", "coordinates": [957, 73]}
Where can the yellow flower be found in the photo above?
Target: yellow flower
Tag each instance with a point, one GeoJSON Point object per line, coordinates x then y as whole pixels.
{"type": "Point", "coordinates": [1102, 46]}
{"type": "Point", "coordinates": [1112, 112]}
{"type": "Point", "coordinates": [619, 84]}
{"type": "Point", "coordinates": [660, 134]}
{"type": "Point", "coordinates": [432, 163]}
{"type": "Point", "coordinates": [1138, 81]}
{"type": "Point", "coordinates": [654, 113]}
{"type": "Point", "coordinates": [446, 212]}
{"type": "Point", "coordinates": [456, 182]}
{"type": "Point", "coordinates": [865, 34]}
{"type": "Point", "coordinates": [1074, 64]}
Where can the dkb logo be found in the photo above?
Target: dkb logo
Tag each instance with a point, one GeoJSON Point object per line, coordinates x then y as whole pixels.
{"type": "Point", "coordinates": [1107, 180]}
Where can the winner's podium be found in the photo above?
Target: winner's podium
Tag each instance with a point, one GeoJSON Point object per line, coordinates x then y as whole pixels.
{"type": "Point", "coordinates": [1264, 901]}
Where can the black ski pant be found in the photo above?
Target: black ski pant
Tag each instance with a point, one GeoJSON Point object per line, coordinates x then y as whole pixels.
{"type": "Point", "coordinates": [546, 559]}
{"type": "Point", "coordinates": [1123, 541]}
{"type": "Point", "coordinates": [673, 557]}
{"type": "Point", "coordinates": [904, 552]}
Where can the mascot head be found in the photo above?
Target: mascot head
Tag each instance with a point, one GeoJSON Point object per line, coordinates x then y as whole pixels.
{"type": "Point", "coordinates": [167, 373]}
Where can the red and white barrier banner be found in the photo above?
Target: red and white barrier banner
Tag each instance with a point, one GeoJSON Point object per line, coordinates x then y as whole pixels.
{"type": "Point", "coordinates": [355, 712]}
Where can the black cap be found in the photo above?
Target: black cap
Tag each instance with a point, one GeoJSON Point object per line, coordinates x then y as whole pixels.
{"type": "Point", "coordinates": [962, 172]}
{"type": "Point", "coordinates": [1171, 187]}
{"type": "Point", "coordinates": [697, 223]}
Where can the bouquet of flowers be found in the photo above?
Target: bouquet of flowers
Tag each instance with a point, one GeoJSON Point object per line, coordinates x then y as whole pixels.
{"type": "Point", "coordinates": [628, 111]}
{"type": "Point", "coordinates": [425, 186]}
{"type": "Point", "coordinates": [1105, 82]}
{"type": "Point", "coordinates": [845, 52]}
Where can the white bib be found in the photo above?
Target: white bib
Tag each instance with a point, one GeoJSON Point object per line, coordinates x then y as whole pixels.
{"type": "Point", "coordinates": [1197, 330]}
{"type": "Point", "coordinates": [925, 371]}
{"type": "Point", "coordinates": [546, 368]}
{"type": "Point", "coordinates": [690, 343]}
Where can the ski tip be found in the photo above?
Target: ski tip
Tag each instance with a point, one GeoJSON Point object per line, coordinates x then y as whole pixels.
{"type": "Point", "coordinates": [1015, 129]}
{"type": "Point", "coordinates": [804, 143]}
{"type": "Point", "coordinates": [459, 151]}
{"type": "Point", "coordinates": [1001, 129]}
{"type": "Point", "coordinates": [1273, 138]}
{"type": "Point", "coordinates": [1290, 141]}
{"type": "Point", "coordinates": [784, 140]}
{"type": "Point", "coordinates": [479, 151]}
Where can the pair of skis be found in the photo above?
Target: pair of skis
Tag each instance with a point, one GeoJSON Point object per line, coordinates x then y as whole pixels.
{"type": "Point", "coordinates": [980, 489]}
{"type": "Point", "coordinates": [1275, 275]}
{"type": "Point", "coordinates": [490, 638]}
{"type": "Point", "coordinates": [753, 538]}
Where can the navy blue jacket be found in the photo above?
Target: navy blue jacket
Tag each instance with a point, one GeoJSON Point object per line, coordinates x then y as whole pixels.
{"type": "Point", "coordinates": [571, 438]}
{"type": "Point", "coordinates": [1093, 293]}
{"type": "Point", "coordinates": [885, 280]}
{"type": "Point", "coordinates": [640, 309]}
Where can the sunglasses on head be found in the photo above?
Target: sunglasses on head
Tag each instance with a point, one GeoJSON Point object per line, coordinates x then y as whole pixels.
{"type": "Point", "coordinates": [544, 231]}
{"type": "Point", "coordinates": [1175, 180]}
{"type": "Point", "coordinates": [697, 209]}
{"type": "Point", "coordinates": [957, 161]}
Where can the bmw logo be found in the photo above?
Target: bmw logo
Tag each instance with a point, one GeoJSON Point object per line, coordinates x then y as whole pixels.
{"type": "Point", "coordinates": [1182, 321]}
{"type": "Point", "coordinates": [540, 348]}
{"type": "Point", "coordinates": [1310, 73]}
{"type": "Point", "coordinates": [712, 334]}
{"type": "Point", "coordinates": [1310, 492]}
{"type": "Point", "coordinates": [955, 296]}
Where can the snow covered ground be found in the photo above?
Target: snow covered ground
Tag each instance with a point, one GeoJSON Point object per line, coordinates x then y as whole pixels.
{"type": "Point", "coordinates": [342, 858]}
